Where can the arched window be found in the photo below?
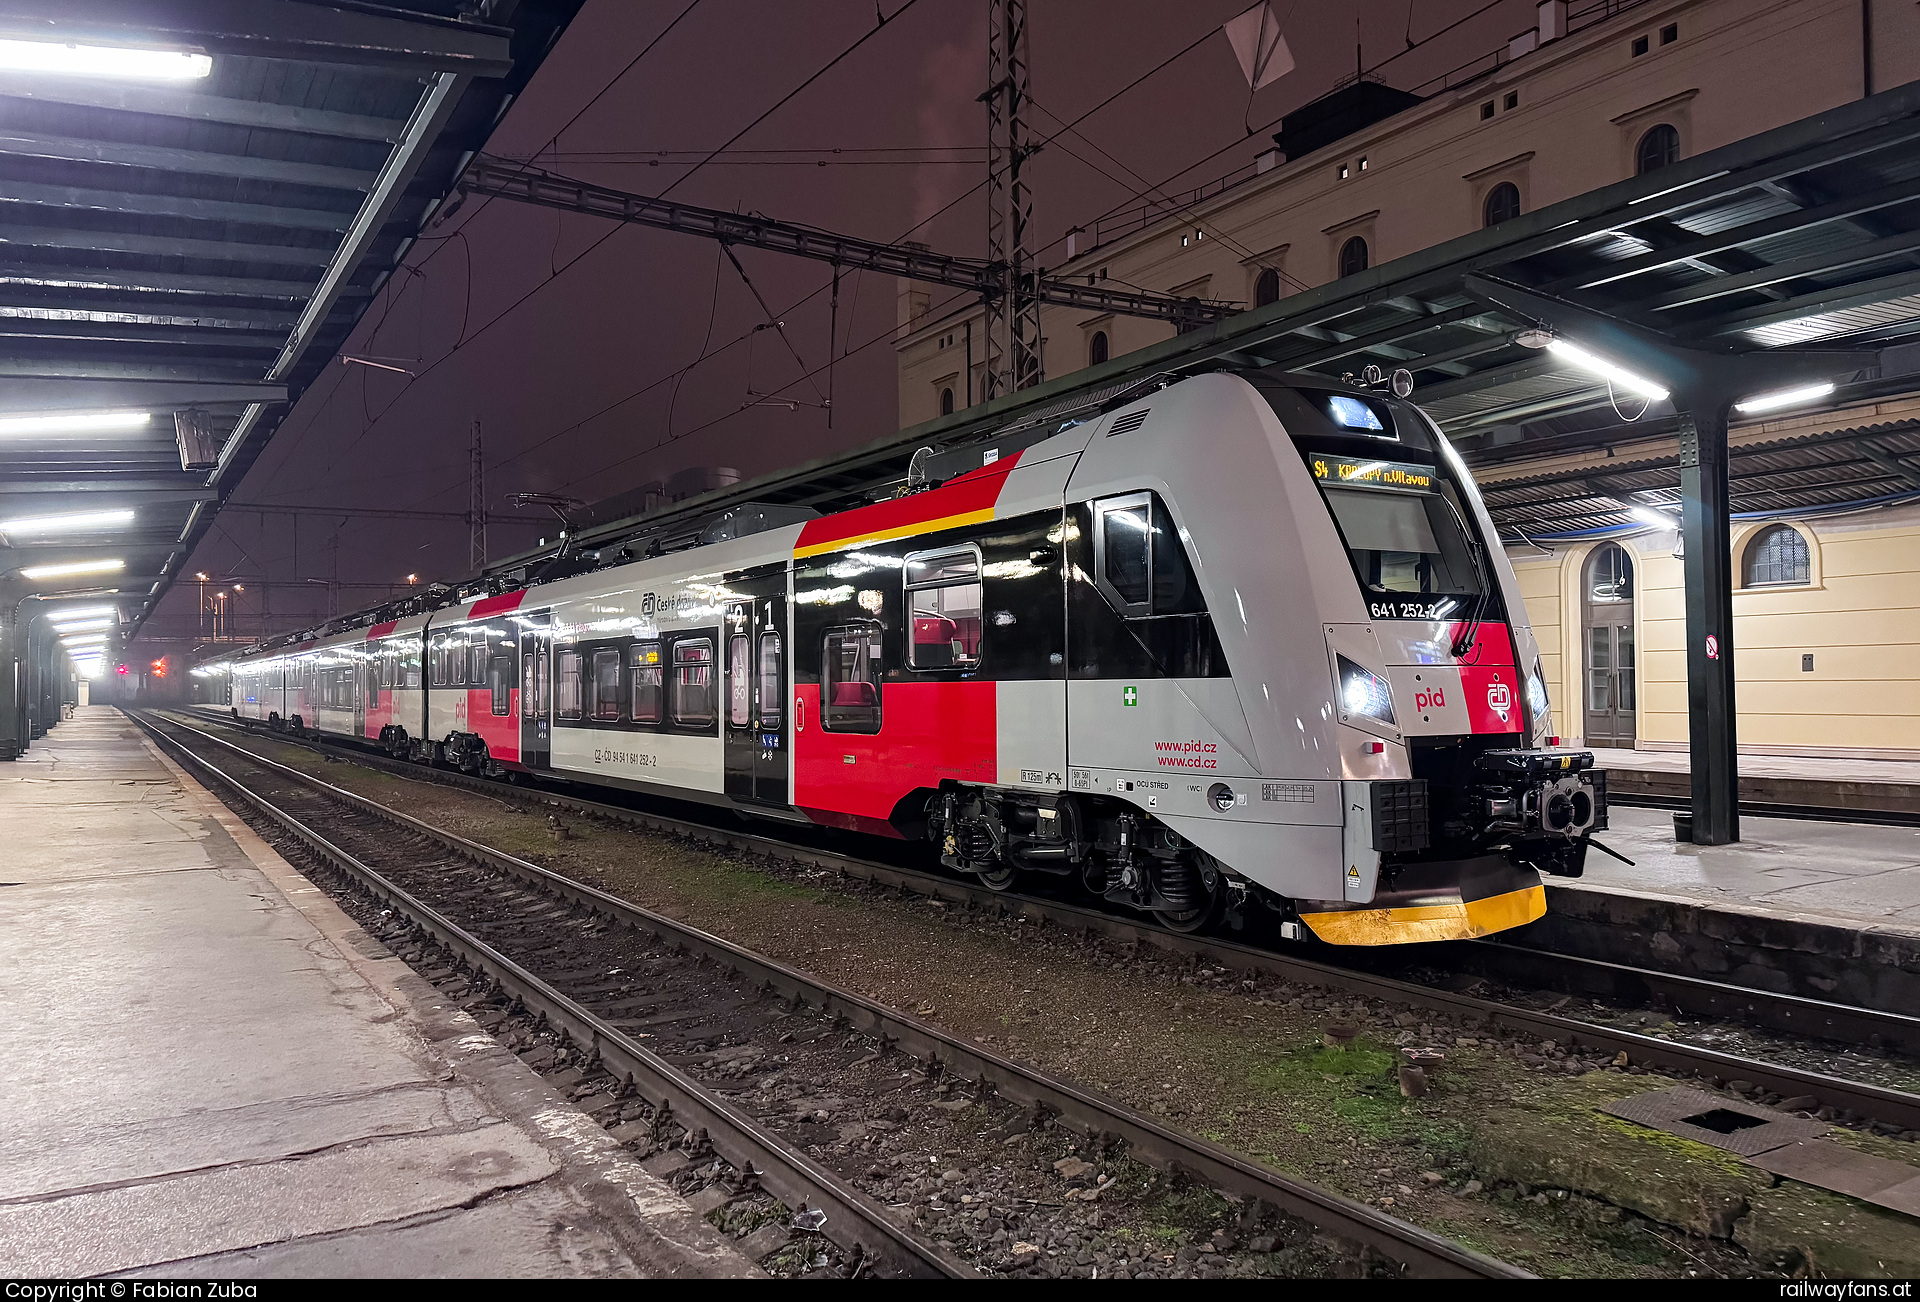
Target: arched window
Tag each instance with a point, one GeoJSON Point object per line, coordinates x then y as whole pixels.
{"type": "Point", "coordinates": [1502, 205]}
{"type": "Point", "coordinates": [946, 402]}
{"type": "Point", "coordinates": [1266, 289]}
{"type": "Point", "coordinates": [1353, 256]}
{"type": "Point", "coordinates": [1609, 576]}
{"type": "Point", "coordinates": [1777, 556]}
{"type": "Point", "coordinates": [1097, 348]}
{"type": "Point", "coordinates": [1660, 146]}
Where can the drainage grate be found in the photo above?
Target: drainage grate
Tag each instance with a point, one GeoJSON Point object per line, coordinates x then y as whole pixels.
{"type": "Point", "coordinates": [1736, 1126]}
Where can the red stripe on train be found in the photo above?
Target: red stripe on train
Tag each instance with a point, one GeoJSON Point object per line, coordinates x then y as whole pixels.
{"type": "Point", "coordinates": [977, 490]}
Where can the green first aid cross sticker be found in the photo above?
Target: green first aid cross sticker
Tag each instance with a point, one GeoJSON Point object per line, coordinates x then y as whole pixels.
{"type": "Point", "coordinates": [1130, 696]}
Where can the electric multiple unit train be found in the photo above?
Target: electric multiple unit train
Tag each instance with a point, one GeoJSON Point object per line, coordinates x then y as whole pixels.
{"type": "Point", "coordinates": [1234, 642]}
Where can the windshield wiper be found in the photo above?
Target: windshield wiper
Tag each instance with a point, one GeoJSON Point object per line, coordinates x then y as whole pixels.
{"type": "Point", "coordinates": [1470, 628]}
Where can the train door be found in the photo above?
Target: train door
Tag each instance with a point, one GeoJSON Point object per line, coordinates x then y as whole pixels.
{"type": "Point", "coordinates": [536, 717]}
{"type": "Point", "coordinates": [755, 659]}
{"type": "Point", "coordinates": [363, 684]}
{"type": "Point", "coordinates": [1612, 698]}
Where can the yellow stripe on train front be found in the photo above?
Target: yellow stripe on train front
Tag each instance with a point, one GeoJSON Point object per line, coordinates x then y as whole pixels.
{"type": "Point", "coordinates": [1460, 920]}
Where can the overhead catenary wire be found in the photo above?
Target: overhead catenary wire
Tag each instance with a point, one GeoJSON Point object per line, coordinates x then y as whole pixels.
{"type": "Point", "coordinates": [818, 73]}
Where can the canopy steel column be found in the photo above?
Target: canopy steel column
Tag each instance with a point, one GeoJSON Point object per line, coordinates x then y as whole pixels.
{"type": "Point", "coordinates": [1706, 545]}
{"type": "Point", "coordinates": [13, 706]}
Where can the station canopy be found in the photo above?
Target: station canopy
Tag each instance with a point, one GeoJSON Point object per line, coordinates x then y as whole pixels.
{"type": "Point", "coordinates": [1806, 237]}
{"type": "Point", "coordinates": [198, 199]}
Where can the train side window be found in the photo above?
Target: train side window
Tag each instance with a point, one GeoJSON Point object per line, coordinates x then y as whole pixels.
{"type": "Point", "coordinates": [690, 691]}
{"type": "Point", "coordinates": [771, 695]}
{"type": "Point", "coordinates": [739, 682]}
{"type": "Point", "coordinates": [1139, 558]}
{"type": "Point", "coordinates": [410, 664]}
{"type": "Point", "coordinates": [643, 659]}
{"type": "Point", "coordinates": [1122, 539]}
{"type": "Point", "coordinates": [500, 681]}
{"type": "Point", "coordinates": [529, 685]}
{"type": "Point", "coordinates": [944, 606]}
{"type": "Point", "coordinates": [477, 659]}
{"type": "Point", "coordinates": [605, 686]}
{"type": "Point", "coordinates": [567, 686]}
{"type": "Point", "coordinates": [850, 679]}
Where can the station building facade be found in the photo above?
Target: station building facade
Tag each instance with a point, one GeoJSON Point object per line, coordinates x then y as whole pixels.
{"type": "Point", "coordinates": [1826, 608]}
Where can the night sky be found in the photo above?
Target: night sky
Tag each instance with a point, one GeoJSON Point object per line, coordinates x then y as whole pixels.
{"type": "Point", "coordinates": [570, 345]}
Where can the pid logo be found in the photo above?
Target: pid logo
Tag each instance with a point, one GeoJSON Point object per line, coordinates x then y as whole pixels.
{"type": "Point", "coordinates": [1500, 699]}
{"type": "Point", "coordinates": [1434, 698]}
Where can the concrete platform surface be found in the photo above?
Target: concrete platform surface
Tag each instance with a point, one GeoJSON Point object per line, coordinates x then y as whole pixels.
{"type": "Point", "coordinates": [211, 1070]}
{"type": "Point", "coordinates": [1809, 767]}
{"type": "Point", "coordinates": [1857, 874]}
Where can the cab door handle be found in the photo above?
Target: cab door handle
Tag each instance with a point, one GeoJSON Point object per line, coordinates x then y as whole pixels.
{"type": "Point", "coordinates": [799, 714]}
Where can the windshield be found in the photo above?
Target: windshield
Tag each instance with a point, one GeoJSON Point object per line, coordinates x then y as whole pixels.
{"type": "Point", "coordinates": [1407, 542]}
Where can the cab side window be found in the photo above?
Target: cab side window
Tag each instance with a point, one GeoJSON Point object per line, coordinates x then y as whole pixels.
{"type": "Point", "coordinates": [1142, 565]}
{"type": "Point", "coordinates": [850, 679]}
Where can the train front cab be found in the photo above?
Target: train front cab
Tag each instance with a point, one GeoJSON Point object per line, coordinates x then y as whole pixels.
{"type": "Point", "coordinates": [1354, 724]}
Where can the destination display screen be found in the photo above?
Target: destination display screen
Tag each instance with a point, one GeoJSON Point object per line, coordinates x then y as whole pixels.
{"type": "Point", "coordinates": [1362, 472]}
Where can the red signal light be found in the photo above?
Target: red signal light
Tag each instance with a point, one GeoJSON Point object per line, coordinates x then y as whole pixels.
{"type": "Point", "coordinates": [120, 669]}
{"type": "Point", "coordinates": [160, 667]}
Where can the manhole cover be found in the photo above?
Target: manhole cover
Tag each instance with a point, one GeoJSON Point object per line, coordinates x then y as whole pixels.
{"type": "Point", "coordinates": [1730, 1124]}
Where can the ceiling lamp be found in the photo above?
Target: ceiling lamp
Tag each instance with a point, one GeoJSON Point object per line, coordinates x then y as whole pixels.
{"type": "Point", "coordinates": [1617, 375]}
{"type": "Point", "coordinates": [71, 568]}
{"type": "Point", "coordinates": [1783, 398]}
{"type": "Point", "coordinates": [83, 626]}
{"type": "Point", "coordinates": [103, 61]}
{"type": "Point", "coordinates": [62, 523]}
{"type": "Point", "coordinates": [74, 422]}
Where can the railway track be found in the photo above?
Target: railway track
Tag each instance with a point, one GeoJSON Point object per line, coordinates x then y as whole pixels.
{"type": "Point", "coordinates": [519, 934]}
{"type": "Point", "coordinates": [1790, 1014]}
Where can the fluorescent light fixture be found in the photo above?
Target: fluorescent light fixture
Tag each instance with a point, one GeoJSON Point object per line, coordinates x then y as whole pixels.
{"type": "Point", "coordinates": [1620, 376]}
{"type": "Point", "coordinates": [59, 523]}
{"type": "Point", "coordinates": [85, 639]}
{"type": "Point", "coordinates": [1784, 398]}
{"type": "Point", "coordinates": [1658, 519]}
{"type": "Point", "coordinates": [72, 567]}
{"type": "Point", "coordinates": [102, 61]}
{"type": "Point", "coordinates": [79, 421]}
{"type": "Point", "coordinates": [83, 626]}
{"type": "Point", "coordinates": [83, 612]}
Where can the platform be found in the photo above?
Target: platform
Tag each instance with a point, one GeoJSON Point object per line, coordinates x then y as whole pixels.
{"type": "Point", "coordinates": [1864, 875]}
{"type": "Point", "coordinates": [210, 1070]}
{"type": "Point", "coordinates": [1888, 787]}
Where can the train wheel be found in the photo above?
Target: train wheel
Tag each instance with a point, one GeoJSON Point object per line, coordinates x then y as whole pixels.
{"type": "Point", "coordinates": [1001, 878]}
{"type": "Point", "coordinates": [1205, 887]}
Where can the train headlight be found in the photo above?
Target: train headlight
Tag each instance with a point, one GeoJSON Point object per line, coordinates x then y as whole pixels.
{"type": "Point", "coordinates": [1536, 692]}
{"type": "Point", "coordinates": [1364, 692]}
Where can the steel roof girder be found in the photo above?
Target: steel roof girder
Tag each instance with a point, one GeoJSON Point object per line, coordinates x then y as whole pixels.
{"type": "Point", "coordinates": [1819, 303]}
{"type": "Point", "coordinates": [14, 271]}
{"type": "Point", "coordinates": [134, 204]}
{"type": "Point", "coordinates": [116, 369]}
{"type": "Point", "coordinates": [159, 246]}
{"type": "Point", "coordinates": [50, 395]}
{"type": "Point", "coordinates": [274, 29]}
{"type": "Point", "coordinates": [1779, 272]}
{"type": "Point", "coordinates": [227, 110]}
{"type": "Point", "coordinates": [201, 162]}
{"type": "Point", "coordinates": [1888, 196]}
